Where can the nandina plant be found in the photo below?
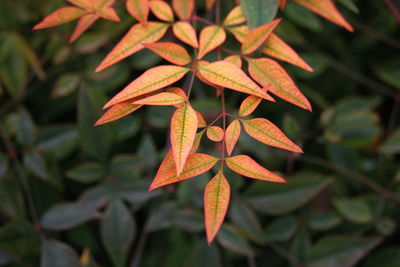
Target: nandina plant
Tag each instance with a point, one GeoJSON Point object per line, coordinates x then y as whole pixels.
{"type": "Point", "coordinates": [197, 38]}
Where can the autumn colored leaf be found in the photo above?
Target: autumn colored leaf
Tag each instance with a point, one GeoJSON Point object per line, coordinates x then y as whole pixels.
{"type": "Point", "coordinates": [118, 111]}
{"type": "Point", "coordinates": [85, 4]}
{"type": "Point", "coordinates": [196, 164]}
{"type": "Point", "coordinates": [234, 59]}
{"type": "Point", "coordinates": [248, 105]}
{"type": "Point", "coordinates": [84, 23]}
{"type": "Point", "coordinates": [234, 17]}
{"type": "Point", "coordinates": [172, 52]}
{"type": "Point", "coordinates": [271, 75]}
{"type": "Point", "coordinates": [162, 10]}
{"type": "Point", "coordinates": [215, 133]}
{"type": "Point", "coordinates": [228, 75]}
{"type": "Point", "coordinates": [232, 135]}
{"type": "Point", "coordinates": [161, 99]}
{"type": "Point", "coordinates": [133, 41]}
{"type": "Point", "coordinates": [183, 8]}
{"type": "Point", "coordinates": [103, 9]}
{"type": "Point", "coordinates": [266, 132]}
{"type": "Point", "coordinates": [246, 166]}
{"type": "Point", "coordinates": [60, 16]}
{"type": "Point", "coordinates": [139, 9]}
{"type": "Point", "coordinates": [210, 4]}
{"type": "Point", "coordinates": [277, 48]}
{"type": "Point", "coordinates": [200, 118]}
{"type": "Point", "coordinates": [200, 64]}
{"type": "Point", "coordinates": [216, 202]}
{"type": "Point", "coordinates": [197, 141]}
{"type": "Point", "coordinates": [240, 32]}
{"type": "Point", "coordinates": [210, 38]}
{"type": "Point", "coordinates": [256, 37]}
{"type": "Point", "coordinates": [282, 4]}
{"type": "Point", "coordinates": [166, 166]}
{"type": "Point", "coordinates": [185, 32]}
{"type": "Point", "coordinates": [184, 124]}
{"type": "Point", "coordinates": [326, 9]}
{"type": "Point", "coordinates": [150, 81]}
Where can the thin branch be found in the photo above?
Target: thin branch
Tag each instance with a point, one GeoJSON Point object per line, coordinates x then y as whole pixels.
{"type": "Point", "coordinates": [393, 9]}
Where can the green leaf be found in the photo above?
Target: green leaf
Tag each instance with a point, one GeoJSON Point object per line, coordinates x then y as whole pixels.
{"type": "Point", "coordinates": [88, 172]}
{"type": "Point", "coordinates": [188, 220]}
{"type": "Point", "coordinates": [67, 215]}
{"type": "Point", "coordinates": [26, 129]}
{"type": "Point", "coordinates": [350, 5]}
{"type": "Point", "coordinates": [386, 257]}
{"type": "Point", "coordinates": [118, 230]}
{"type": "Point", "coordinates": [389, 72]}
{"type": "Point", "coordinates": [354, 210]}
{"type": "Point", "coordinates": [65, 85]}
{"type": "Point", "coordinates": [204, 256]}
{"type": "Point", "coordinates": [303, 17]}
{"type": "Point", "coordinates": [344, 251]}
{"type": "Point", "coordinates": [35, 163]}
{"type": "Point", "coordinates": [386, 226]}
{"type": "Point", "coordinates": [392, 144]}
{"type": "Point", "coordinates": [230, 238]}
{"type": "Point", "coordinates": [259, 12]}
{"type": "Point", "coordinates": [323, 220]}
{"type": "Point", "coordinates": [301, 244]}
{"type": "Point", "coordinates": [57, 254]}
{"type": "Point", "coordinates": [281, 229]}
{"type": "Point", "coordinates": [279, 199]}
{"type": "Point", "coordinates": [57, 141]}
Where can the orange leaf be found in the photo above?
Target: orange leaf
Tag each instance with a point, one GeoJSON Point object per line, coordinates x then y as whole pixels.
{"type": "Point", "coordinates": [210, 4]}
{"type": "Point", "coordinates": [183, 8]}
{"type": "Point", "coordinates": [84, 23]}
{"type": "Point", "coordinates": [172, 52]}
{"type": "Point", "coordinates": [282, 4]}
{"type": "Point", "coordinates": [133, 41]}
{"type": "Point", "coordinates": [161, 99]}
{"type": "Point", "coordinates": [204, 80]}
{"type": "Point", "coordinates": [326, 9]}
{"type": "Point", "coordinates": [118, 111]}
{"type": "Point", "coordinates": [103, 9]}
{"type": "Point", "coordinates": [240, 32]}
{"type": "Point", "coordinates": [184, 124]}
{"type": "Point", "coordinates": [232, 135]}
{"type": "Point", "coordinates": [216, 201]}
{"type": "Point", "coordinates": [166, 166]}
{"type": "Point", "coordinates": [246, 166]}
{"type": "Point", "coordinates": [215, 133]}
{"type": "Point", "coordinates": [162, 10]}
{"type": "Point", "coordinates": [202, 122]}
{"type": "Point", "coordinates": [266, 132]}
{"type": "Point", "coordinates": [271, 75]}
{"type": "Point", "coordinates": [256, 37]}
{"type": "Point", "coordinates": [60, 16]}
{"type": "Point", "coordinates": [277, 48]}
{"type": "Point", "coordinates": [150, 81]}
{"type": "Point", "coordinates": [235, 59]}
{"type": "Point", "coordinates": [210, 38]}
{"type": "Point", "coordinates": [234, 17]}
{"type": "Point", "coordinates": [196, 164]}
{"type": "Point", "coordinates": [85, 4]}
{"type": "Point", "coordinates": [248, 105]}
{"type": "Point", "coordinates": [185, 32]}
{"type": "Point", "coordinates": [139, 9]}
{"type": "Point", "coordinates": [197, 141]}
{"type": "Point", "coordinates": [228, 75]}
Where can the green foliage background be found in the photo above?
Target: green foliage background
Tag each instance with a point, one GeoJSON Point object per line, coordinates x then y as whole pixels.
{"type": "Point", "coordinates": [75, 195]}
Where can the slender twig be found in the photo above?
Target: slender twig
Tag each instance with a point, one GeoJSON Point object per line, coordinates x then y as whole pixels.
{"type": "Point", "coordinates": [393, 9]}
{"type": "Point", "coordinates": [205, 21]}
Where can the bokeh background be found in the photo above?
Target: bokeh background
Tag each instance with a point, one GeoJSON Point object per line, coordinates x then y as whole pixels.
{"type": "Point", "coordinates": [75, 195]}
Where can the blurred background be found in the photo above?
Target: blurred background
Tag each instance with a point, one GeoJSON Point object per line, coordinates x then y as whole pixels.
{"type": "Point", "coordinates": [76, 195]}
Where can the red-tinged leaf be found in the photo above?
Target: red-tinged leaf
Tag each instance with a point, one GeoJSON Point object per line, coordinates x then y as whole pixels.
{"type": "Point", "coordinates": [326, 9]}
{"type": "Point", "coordinates": [100, 4]}
{"type": "Point", "coordinates": [185, 32]}
{"type": "Point", "coordinates": [108, 13]}
{"type": "Point", "coordinates": [161, 99]}
{"type": "Point", "coordinates": [60, 16]}
{"type": "Point", "coordinates": [266, 132]}
{"type": "Point", "coordinates": [84, 23]}
{"type": "Point", "coordinates": [162, 10]}
{"type": "Point", "coordinates": [256, 37]}
{"type": "Point", "coordinates": [234, 59]}
{"type": "Point", "coordinates": [210, 38]}
{"type": "Point", "coordinates": [172, 52]}
{"type": "Point", "coordinates": [232, 135]}
{"type": "Point", "coordinates": [183, 8]}
{"type": "Point", "coordinates": [210, 4]}
{"type": "Point", "coordinates": [184, 124]}
{"type": "Point", "coordinates": [150, 81]}
{"type": "Point", "coordinates": [277, 48]}
{"type": "Point", "coordinates": [234, 17]}
{"type": "Point", "coordinates": [246, 166]}
{"type": "Point", "coordinates": [139, 9]}
{"type": "Point", "coordinates": [228, 75]}
{"type": "Point", "coordinates": [197, 141]}
{"type": "Point", "coordinates": [216, 202]}
{"type": "Point", "coordinates": [85, 4]}
{"type": "Point", "coordinates": [248, 105]}
{"type": "Point", "coordinates": [118, 111]}
{"type": "Point", "coordinates": [282, 4]}
{"type": "Point", "coordinates": [240, 32]}
{"type": "Point", "coordinates": [167, 166]}
{"type": "Point", "coordinates": [272, 76]}
{"type": "Point", "coordinates": [215, 133]}
{"type": "Point", "coordinates": [178, 91]}
{"type": "Point", "coordinates": [196, 164]}
{"type": "Point", "coordinates": [133, 41]}
{"type": "Point", "coordinates": [202, 122]}
{"type": "Point", "coordinates": [204, 80]}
